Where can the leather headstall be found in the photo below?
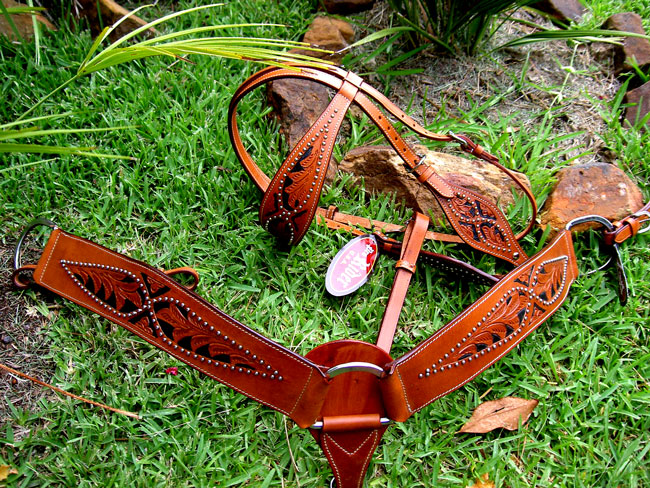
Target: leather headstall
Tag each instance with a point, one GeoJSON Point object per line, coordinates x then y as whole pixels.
{"type": "Point", "coordinates": [346, 392]}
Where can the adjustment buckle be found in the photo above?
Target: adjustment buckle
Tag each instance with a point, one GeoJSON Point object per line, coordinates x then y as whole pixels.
{"type": "Point", "coordinates": [614, 254]}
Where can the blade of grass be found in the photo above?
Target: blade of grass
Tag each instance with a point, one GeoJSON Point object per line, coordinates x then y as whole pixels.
{"type": "Point", "coordinates": [37, 34]}
{"type": "Point", "coordinates": [593, 35]}
{"type": "Point", "coordinates": [6, 147]}
{"type": "Point", "coordinates": [7, 14]}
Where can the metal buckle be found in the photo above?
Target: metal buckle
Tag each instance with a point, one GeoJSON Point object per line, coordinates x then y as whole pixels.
{"type": "Point", "coordinates": [615, 255]}
{"type": "Point", "coordinates": [35, 223]}
{"type": "Point", "coordinates": [458, 139]}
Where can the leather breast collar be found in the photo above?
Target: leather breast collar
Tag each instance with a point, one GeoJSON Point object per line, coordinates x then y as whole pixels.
{"type": "Point", "coordinates": [346, 392]}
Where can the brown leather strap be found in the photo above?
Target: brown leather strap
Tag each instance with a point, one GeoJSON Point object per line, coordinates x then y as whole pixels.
{"type": "Point", "coordinates": [153, 306]}
{"type": "Point", "coordinates": [483, 333]}
{"type": "Point", "coordinates": [405, 267]}
{"type": "Point", "coordinates": [478, 222]}
{"type": "Point", "coordinates": [368, 383]}
{"type": "Point", "coordinates": [291, 199]}
{"type": "Point", "coordinates": [629, 226]}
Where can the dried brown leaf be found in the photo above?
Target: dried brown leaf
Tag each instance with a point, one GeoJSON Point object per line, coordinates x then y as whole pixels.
{"type": "Point", "coordinates": [503, 413]}
{"type": "Point", "coordinates": [484, 482]}
{"type": "Point", "coordinates": [5, 471]}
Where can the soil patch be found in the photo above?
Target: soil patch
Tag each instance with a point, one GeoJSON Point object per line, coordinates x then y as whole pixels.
{"type": "Point", "coordinates": [24, 345]}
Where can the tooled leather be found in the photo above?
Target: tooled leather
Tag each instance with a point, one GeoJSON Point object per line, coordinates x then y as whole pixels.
{"type": "Point", "coordinates": [153, 306]}
{"type": "Point", "coordinates": [290, 201]}
{"type": "Point", "coordinates": [481, 225]}
{"type": "Point", "coordinates": [438, 186]}
{"type": "Point", "coordinates": [484, 332]}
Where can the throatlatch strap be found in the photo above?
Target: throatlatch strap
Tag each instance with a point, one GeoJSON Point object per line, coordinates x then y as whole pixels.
{"type": "Point", "coordinates": [405, 267]}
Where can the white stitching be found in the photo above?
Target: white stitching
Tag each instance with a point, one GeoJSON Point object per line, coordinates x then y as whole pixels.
{"type": "Point", "coordinates": [219, 313]}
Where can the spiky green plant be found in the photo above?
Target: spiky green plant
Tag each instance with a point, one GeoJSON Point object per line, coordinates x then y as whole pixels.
{"type": "Point", "coordinates": [175, 45]}
{"type": "Point", "coordinates": [465, 26]}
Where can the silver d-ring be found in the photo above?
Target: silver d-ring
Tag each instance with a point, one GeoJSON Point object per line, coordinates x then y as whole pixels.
{"type": "Point", "coordinates": [355, 366]}
{"type": "Point", "coordinates": [609, 226]}
{"type": "Point", "coordinates": [590, 218]}
{"type": "Point", "coordinates": [32, 225]}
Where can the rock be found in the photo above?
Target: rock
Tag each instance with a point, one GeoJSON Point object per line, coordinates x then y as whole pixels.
{"type": "Point", "coordinates": [345, 7]}
{"type": "Point", "coordinates": [327, 33]}
{"type": "Point", "coordinates": [110, 12]}
{"type": "Point", "coordinates": [633, 47]}
{"type": "Point", "coordinates": [298, 104]}
{"type": "Point", "coordinates": [23, 23]}
{"type": "Point", "coordinates": [588, 189]}
{"type": "Point", "coordinates": [383, 171]}
{"type": "Point", "coordinates": [562, 10]}
{"type": "Point", "coordinates": [640, 98]}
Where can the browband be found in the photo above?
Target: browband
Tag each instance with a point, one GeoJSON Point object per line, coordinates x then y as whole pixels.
{"type": "Point", "coordinates": [346, 392]}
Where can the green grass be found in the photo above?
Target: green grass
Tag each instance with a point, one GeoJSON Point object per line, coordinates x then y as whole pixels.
{"type": "Point", "coordinates": [186, 201]}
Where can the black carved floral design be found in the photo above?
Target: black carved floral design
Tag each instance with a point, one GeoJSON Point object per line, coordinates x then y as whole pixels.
{"type": "Point", "coordinates": [145, 305]}
{"type": "Point", "coordinates": [523, 305]}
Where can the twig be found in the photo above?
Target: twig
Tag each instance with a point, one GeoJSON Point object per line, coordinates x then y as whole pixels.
{"type": "Point", "coordinates": [71, 395]}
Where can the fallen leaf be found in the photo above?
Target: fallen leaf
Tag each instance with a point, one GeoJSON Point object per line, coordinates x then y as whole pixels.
{"type": "Point", "coordinates": [484, 482]}
{"type": "Point", "coordinates": [5, 471]}
{"type": "Point", "coordinates": [503, 413]}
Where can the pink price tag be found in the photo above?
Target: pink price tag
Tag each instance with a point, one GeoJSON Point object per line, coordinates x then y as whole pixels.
{"type": "Point", "coordinates": [351, 266]}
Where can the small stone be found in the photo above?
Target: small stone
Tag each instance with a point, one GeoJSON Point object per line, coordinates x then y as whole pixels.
{"type": "Point", "coordinates": [633, 47]}
{"type": "Point", "coordinates": [562, 10]}
{"type": "Point", "coordinates": [330, 34]}
{"type": "Point", "coordinates": [590, 189]}
{"type": "Point", "coordinates": [383, 171]}
{"type": "Point", "coordinates": [639, 98]}
{"type": "Point", "coordinates": [23, 23]}
{"type": "Point", "coordinates": [345, 7]}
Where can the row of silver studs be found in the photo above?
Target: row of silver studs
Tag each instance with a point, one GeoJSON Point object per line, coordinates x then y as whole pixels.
{"type": "Point", "coordinates": [530, 292]}
{"type": "Point", "coordinates": [558, 293]}
{"type": "Point", "coordinates": [285, 214]}
{"type": "Point", "coordinates": [147, 303]}
{"type": "Point", "coordinates": [272, 374]}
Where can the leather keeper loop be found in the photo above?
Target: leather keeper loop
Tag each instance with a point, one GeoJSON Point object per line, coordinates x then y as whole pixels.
{"type": "Point", "coordinates": [424, 176]}
{"type": "Point", "coordinates": [344, 423]}
{"type": "Point", "coordinates": [188, 272]}
{"type": "Point", "coordinates": [331, 212]}
{"type": "Point", "coordinates": [401, 263]}
{"type": "Point", "coordinates": [19, 281]}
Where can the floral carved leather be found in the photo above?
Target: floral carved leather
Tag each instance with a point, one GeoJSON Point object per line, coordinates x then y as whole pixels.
{"type": "Point", "coordinates": [351, 406]}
